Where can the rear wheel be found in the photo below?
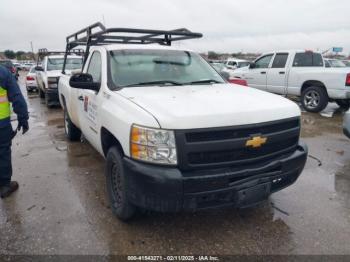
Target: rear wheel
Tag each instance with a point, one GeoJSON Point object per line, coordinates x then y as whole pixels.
{"type": "Point", "coordinates": [47, 102]}
{"type": "Point", "coordinates": [314, 99]}
{"type": "Point", "coordinates": [117, 186]}
{"type": "Point", "coordinates": [72, 132]}
{"type": "Point", "coordinates": [343, 104]}
{"type": "Point", "coordinates": [41, 93]}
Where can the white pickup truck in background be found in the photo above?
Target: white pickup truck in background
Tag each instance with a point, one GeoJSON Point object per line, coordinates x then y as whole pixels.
{"type": "Point", "coordinates": [299, 73]}
{"type": "Point", "coordinates": [48, 74]}
{"type": "Point", "coordinates": [175, 135]}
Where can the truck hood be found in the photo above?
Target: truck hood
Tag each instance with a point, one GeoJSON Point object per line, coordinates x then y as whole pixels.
{"type": "Point", "coordinates": [53, 73]}
{"type": "Point", "coordinates": [57, 73]}
{"type": "Point", "coordinates": [203, 106]}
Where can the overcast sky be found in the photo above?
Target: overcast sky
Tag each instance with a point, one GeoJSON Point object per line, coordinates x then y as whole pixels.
{"type": "Point", "coordinates": [227, 25]}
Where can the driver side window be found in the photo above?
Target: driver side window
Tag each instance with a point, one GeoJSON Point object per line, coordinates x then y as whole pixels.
{"type": "Point", "coordinates": [263, 62]}
{"type": "Point", "coordinates": [95, 67]}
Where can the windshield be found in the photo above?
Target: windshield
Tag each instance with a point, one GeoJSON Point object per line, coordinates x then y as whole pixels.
{"type": "Point", "coordinates": [57, 63]}
{"type": "Point", "coordinates": [336, 63]}
{"type": "Point", "coordinates": [142, 67]}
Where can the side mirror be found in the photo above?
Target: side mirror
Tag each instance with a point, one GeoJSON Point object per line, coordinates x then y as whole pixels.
{"type": "Point", "coordinates": [225, 75]}
{"type": "Point", "coordinates": [252, 65]}
{"type": "Point", "coordinates": [84, 81]}
{"type": "Point", "coordinates": [38, 68]}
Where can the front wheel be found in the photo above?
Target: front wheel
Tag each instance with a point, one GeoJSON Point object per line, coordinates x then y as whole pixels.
{"type": "Point", "coordinates": [314, 99]}
{"type": "Point", "coordinates": [117, 186]}
{"type": "Point", "coordinates": [343, 104]}
{"type": "Point", "coordinates": [72, 132]}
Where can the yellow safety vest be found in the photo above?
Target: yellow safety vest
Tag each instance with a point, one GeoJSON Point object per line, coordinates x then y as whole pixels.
{"type": "Point", "coordinates": [5, 108]}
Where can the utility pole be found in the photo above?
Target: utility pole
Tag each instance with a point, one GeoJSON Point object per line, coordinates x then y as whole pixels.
{"type": "Point", "coordinates": [31, 45]}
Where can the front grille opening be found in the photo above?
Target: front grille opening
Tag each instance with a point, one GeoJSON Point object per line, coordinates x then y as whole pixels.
{"type": "Point", "coordinates": [268, 172]}
{"type": "Point", "coordinates": [241, 154]}
{"type": "Point", "coordinates": [203, 136]}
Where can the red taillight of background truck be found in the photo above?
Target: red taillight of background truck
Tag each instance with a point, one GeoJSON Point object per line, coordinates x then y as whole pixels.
{"type": "Point", "coordinates": [30, 78]}
{"type": "Point", "coordinates": [347, 81]}
{"type": "Point", "coordinates": [238, 81]}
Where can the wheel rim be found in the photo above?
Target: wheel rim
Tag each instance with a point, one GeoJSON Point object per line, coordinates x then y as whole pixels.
{"type": "Point", "coordinates": [117, 187]}
{"type": "Point", "coordinates": [66, 123]}
{"type": "Point", "coordinates": [312, 99]}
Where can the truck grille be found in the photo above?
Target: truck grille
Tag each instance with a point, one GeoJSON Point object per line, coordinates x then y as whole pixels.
{"type": "Point", "coordinates": [220, 147]}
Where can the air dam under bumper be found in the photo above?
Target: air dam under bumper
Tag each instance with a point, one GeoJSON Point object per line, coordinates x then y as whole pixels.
{"type": "Point", "coordinates": [170, 190]}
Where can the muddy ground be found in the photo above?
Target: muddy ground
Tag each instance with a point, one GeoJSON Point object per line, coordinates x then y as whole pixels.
{"type": "Point", "coordinates": [62, 208]}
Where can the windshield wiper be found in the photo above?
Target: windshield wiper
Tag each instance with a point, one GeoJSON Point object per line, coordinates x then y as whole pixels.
{"type": "Point", "coordinates": [161, 82]}
{"type": "Point", "coordinates": [205, 81]}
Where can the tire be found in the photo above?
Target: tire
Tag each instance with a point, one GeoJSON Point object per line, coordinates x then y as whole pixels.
{"type": "Point", "coordinates": [314, 99]}
{"type": "Point", "coordinates": [117, 186]}
{"type": "Point", "coordinates": [72, 132]}
{"type": "Point", "coordinates": [41, 93]}
{"type": "Point", "coordinates": [47, 102]}
{"type": "Point", "coordinates": [343, 104]}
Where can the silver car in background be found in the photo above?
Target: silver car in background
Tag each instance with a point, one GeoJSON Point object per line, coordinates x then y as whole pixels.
{"type": "Point", "coordinates": [31, 84]}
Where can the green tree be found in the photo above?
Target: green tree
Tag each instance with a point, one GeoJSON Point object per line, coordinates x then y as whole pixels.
{"type": "Point", "coordinates": [212, 55]}
{"type": "Point", "coordinates": [10, 54]}
{"type": "Point", "coordinates": [19, 54]}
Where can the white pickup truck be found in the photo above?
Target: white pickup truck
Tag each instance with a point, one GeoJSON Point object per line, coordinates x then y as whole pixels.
{"type": "Point", "coordinates": [48, 74]}
{"type": "Point", "coordinates": [175, 135]}
{"type": "Point", "coordinates": [299, 73]}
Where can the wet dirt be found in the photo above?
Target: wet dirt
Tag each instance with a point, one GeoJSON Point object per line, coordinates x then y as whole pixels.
{"type": "Point", "coordinates": [62, 208]}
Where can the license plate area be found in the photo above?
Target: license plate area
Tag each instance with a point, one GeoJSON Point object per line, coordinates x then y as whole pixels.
{"type": "Point", "coordinates": [253, 195]}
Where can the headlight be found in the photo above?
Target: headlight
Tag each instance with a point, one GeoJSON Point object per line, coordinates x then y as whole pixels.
{"type": "Point", "coordinates": [153, 145]}
{"type": "Point", "coordinates": [52, 82]}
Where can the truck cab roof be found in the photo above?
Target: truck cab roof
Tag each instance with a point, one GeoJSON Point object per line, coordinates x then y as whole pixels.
{"type": "Point", "coordinates": [62, 56]}
{"type": "Point", "coordinates": [110, 47]}
{"type": "Point", "coordinates": [291, 51]}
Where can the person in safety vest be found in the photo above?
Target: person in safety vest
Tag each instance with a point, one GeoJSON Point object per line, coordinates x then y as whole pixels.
{"type": "Point", "coordinates": [10, 93]}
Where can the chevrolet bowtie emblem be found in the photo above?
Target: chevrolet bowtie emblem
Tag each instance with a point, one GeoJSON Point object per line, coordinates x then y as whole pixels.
{"type": "Point", "coordinates": [256, 141]}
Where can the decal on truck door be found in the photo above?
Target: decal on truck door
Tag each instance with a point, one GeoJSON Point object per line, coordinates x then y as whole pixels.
{"type": "Point", "coordinates": [91, 109]}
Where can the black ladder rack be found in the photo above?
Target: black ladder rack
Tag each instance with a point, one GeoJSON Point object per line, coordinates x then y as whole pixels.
{"type": "Point", "coordinates": [98, 34]}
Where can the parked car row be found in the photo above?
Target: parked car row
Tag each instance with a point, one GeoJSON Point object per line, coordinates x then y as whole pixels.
{"type": "Point", "coordinates": [25, 66]}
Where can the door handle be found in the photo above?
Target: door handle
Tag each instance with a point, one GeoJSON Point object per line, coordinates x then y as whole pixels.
{"type": "Point", "coordinates": [81, 98]}
{"type": "Point", "coordinates": [282, 73]}
{"type": "Point", "coordinates": [263, 73]}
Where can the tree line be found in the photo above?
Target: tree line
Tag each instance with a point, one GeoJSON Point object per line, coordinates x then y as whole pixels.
{"type": "Point", "coordinates": [19, 55]}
